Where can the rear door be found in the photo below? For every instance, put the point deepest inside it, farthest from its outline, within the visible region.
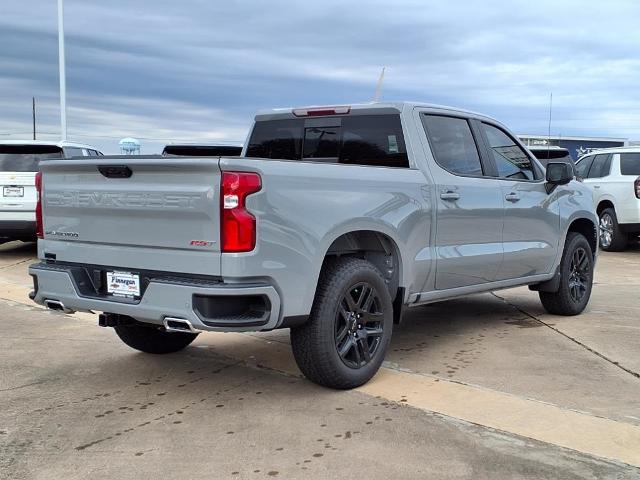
(469, 205)
(18, 167)
(599, 170)
(531, 216)
(145, 213)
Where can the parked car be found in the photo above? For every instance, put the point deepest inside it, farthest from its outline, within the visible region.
(202, 150)
(333, 222)
(614, 175)
(550, 153)
(19, 160)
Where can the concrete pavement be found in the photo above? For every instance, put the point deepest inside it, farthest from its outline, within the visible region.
(489, 376)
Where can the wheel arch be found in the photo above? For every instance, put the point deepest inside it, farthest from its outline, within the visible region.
(587, 228)
(378, 247)
(603, 204)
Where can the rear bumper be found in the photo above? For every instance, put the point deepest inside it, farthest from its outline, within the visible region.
(17, 228)
(207, 306)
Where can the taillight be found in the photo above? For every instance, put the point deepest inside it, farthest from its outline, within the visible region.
(39, 226)
(636, 187)
(238, 226)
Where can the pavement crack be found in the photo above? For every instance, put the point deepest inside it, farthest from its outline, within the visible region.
(569, 337)
(16, 264)
(21, 386)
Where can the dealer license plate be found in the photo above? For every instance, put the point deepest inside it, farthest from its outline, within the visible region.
(13, 191)
(123, 284)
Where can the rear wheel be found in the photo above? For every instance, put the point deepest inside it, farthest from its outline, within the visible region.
(612, 238)
(344, 342)
(152, 339)
(576, 278)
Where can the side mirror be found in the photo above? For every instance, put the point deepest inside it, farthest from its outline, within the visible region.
(558, 173)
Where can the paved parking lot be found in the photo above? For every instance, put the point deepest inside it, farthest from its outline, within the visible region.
(483, 387)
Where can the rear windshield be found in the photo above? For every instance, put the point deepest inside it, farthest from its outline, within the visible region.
(375, 140)
(552, 154)
(630, 163)
(25, 158)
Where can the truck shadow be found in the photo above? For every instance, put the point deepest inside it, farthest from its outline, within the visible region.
(18, 249)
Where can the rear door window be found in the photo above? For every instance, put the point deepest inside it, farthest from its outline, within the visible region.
(601, 166)
(630, 164)
(374, 140)
(73, 152)
(26, 158)
(511, 160)
(453, 145)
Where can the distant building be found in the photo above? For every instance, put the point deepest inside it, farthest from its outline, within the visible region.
(577, 146)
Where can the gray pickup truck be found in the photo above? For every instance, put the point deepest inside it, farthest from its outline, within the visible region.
(332, 221)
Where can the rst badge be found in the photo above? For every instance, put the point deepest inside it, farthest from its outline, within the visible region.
(201, 243)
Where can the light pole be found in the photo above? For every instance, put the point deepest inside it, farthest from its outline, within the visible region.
(61, 65)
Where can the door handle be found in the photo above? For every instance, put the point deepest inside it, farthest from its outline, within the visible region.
(449, 196)
(596, 186)
(512, 197)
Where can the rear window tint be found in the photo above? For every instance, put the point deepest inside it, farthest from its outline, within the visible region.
(453, 145)
(555, 155)
(374, 140)
(601, 166)
(26, 158)
(630, 163)
(73, 152)
(202, 150)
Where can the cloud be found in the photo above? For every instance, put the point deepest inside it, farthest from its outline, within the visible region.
(199, 70)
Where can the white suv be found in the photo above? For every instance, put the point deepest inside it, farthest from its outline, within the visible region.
(614, 175)
(19, 161)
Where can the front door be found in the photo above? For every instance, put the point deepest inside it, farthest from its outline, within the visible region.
(469, 212)
(531, 215)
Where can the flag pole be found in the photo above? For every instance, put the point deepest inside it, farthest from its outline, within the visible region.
(63, 80)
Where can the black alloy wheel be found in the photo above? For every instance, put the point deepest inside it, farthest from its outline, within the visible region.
(344, 340)
(579, 274)
(575, 278)
(359, 325)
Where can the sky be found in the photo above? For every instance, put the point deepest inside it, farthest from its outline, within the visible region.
(197, 70)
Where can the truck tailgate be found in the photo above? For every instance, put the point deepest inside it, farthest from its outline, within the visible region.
(158, 214)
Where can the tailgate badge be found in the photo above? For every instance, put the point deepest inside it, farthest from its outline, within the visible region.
(55, 233)
(201, 243)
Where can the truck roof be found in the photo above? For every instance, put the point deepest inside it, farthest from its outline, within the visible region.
(60, 144)
(399, 106)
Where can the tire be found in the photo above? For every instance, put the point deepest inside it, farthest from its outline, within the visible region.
(151, 339)
(612, 238)
(575, 282)
(344, 316)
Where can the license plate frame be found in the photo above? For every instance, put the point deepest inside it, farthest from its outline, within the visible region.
(123, 284)
(13, 191)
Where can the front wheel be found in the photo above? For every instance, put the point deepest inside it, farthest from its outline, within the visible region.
(344, 342)
(576, 278)
(152, 339)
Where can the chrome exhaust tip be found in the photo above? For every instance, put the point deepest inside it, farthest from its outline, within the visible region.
(57, 306)
(180, 325)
